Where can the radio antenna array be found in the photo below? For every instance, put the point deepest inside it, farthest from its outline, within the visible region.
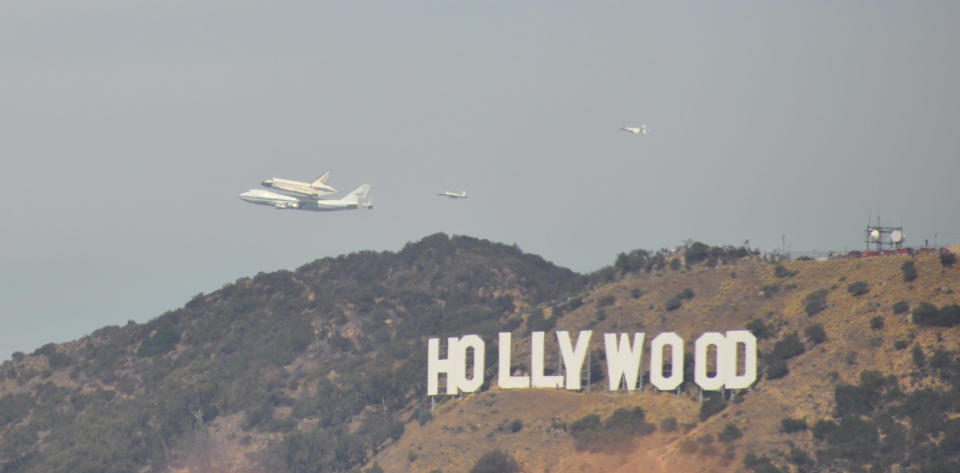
(883, 237)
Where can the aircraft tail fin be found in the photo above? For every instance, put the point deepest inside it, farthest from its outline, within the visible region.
(321, 181)
(358, 195)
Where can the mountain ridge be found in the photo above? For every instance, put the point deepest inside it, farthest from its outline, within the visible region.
(323, 368)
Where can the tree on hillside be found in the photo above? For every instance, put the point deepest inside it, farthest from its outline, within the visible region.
(909, 271)
(496, 461)
(815, 302)
(947, 258)
(696, 253)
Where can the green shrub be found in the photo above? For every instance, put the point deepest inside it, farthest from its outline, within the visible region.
(422, 416)
(901, 307)
(537, 323)
(606, 300)
(759, 329)
(799, 457)
(851, 358)
(669, 424)
(769, 290)
(622, 426)
(672, 304)
(686, 294)
(822, 428)
(781, 272)
(947, 258)
(858, 288)
(900, 344)
(909, 271)
(776, 368)
(59, 360)
(855, 437)
(876, 323)
(729, 434)
(788, 347)
(586, 423)
(815, 302)
(45, 350)
(696, 253)
(164, 339)
(927, 314)
(815, 334)
(516, 426)
(940, 360)
(760, 464)
(712, 404)
(496, 461)
(15, 407)
(789, 426)
(636, 293)
(919, 359)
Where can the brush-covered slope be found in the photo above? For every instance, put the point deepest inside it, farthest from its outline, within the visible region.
(287, 371)
(849, 381)
(323, 369)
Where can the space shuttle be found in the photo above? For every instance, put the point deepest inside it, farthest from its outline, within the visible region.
(316, 189)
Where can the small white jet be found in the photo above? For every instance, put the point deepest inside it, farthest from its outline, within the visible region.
(354, 200)
(317, 189)
(636, 131)
(453, 195)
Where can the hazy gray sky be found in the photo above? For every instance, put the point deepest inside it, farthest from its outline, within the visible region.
(129, 129)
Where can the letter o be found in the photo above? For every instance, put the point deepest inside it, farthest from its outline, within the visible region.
(656, 361)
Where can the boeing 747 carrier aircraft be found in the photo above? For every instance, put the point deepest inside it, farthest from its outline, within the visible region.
(354, 200)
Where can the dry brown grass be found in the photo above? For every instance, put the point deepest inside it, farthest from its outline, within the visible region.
(726, 298)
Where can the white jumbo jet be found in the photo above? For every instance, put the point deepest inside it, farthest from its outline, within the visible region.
(354, 200)
(317, 189)
(453, 195)
(642, 130)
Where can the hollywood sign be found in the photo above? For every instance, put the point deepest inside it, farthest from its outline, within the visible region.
(623, 362)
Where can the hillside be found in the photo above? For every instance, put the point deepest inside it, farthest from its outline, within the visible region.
(891, 431)
(323, 369)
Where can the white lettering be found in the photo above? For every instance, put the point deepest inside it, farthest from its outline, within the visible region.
(676, 361)
(504, 379)
(435, 365)
(623, 360)
(700, 361)
(573, 357)
(749, 376)
(475, 343)
(540, 380)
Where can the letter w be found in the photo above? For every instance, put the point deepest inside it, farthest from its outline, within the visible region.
(623, 360)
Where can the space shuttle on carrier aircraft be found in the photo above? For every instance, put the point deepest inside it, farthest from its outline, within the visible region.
(317, 189)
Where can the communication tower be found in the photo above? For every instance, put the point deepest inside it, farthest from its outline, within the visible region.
(884, 237)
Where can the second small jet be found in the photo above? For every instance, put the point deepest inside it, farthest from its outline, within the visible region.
(453, 195)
